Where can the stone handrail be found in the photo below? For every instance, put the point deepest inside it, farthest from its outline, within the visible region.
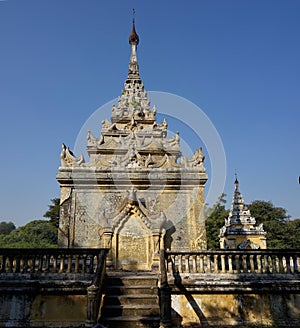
(234, 262)
(50, 260)
(165, 293)
(162, 268)
(94, 291)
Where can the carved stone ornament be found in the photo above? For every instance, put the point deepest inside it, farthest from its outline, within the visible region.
(68, 158)
(131, 205)
(65, 194)
(197, 160)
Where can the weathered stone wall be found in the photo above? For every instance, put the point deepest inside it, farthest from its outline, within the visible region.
(235, 287)
(134, 214)
(38, 310)
(26, 302)
(219, 310)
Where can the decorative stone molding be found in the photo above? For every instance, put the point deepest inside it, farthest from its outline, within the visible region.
(68, 158)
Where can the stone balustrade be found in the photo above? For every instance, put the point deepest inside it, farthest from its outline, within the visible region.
(57, 280)
(50, 260)
(234, 262)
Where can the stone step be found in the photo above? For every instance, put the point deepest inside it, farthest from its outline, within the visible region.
(130, 310)
(131, 299)
(123, 273)
(130, 290)
(131, 322)
(131, 280)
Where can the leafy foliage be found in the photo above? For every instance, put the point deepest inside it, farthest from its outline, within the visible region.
(266, 212)
(35, 234)
(275, 221)
(6, 227)
(292, 239)
(215, 219)
(53, 212)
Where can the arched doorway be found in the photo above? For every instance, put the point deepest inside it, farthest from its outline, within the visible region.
(132, 244)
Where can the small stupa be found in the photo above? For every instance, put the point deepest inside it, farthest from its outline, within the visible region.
(239, 230)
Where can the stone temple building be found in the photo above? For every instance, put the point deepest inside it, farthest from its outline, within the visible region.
(239, 230)
(133, 245)
(137, 193)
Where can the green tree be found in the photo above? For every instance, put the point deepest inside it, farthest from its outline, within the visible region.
(292, 239)
(6, 227)
(215, 219)
(275, 221)
(35, 234)
(53, 212)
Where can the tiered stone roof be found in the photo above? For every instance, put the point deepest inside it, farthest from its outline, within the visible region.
(133, 138)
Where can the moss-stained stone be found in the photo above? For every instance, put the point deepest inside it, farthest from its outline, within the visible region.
(58, 310)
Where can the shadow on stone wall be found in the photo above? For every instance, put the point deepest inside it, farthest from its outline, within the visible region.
(193, 303)
(273, 309)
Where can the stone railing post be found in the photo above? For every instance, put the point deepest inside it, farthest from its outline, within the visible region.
(295, 264)
(156, 235)
(230, 269)
(92, 305)
(223, 264)
(106, 236)
(94, 291)
(165, 294)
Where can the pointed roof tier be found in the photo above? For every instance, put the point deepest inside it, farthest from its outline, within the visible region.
(239, 212)
(239, 221)
(133, 138)
(133, 130)
(133, 104)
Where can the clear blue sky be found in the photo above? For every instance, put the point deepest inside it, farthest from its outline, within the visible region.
(237, 60)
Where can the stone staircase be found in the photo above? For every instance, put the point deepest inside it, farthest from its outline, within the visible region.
(131, 300)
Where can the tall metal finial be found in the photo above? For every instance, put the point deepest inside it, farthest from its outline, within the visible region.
(133, 37)
(236, 179)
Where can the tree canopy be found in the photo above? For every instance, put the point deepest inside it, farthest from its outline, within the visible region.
(6, 227)
(215, 218)
(275, 221)
(53, 212)
(35, 234)
(293, 234)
